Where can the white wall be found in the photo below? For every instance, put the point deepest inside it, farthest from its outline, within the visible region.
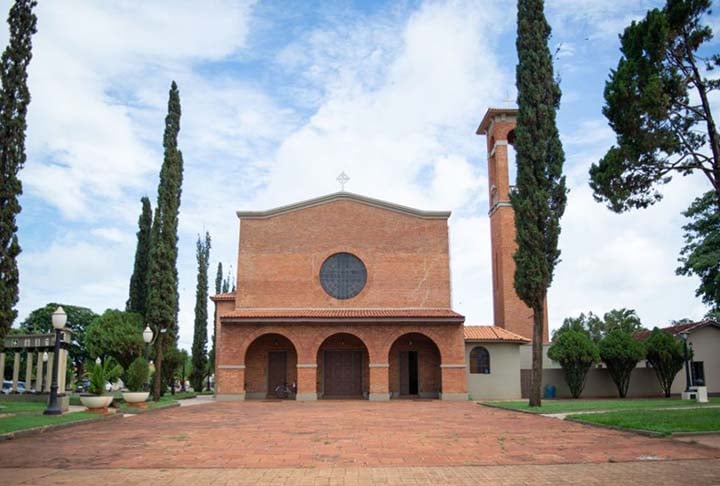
(503, 382)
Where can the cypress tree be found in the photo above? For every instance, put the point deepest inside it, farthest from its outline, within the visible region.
(218, 278)
(14, 101)
(540, 198)
(211, 354)
(199, 346)
(162, 307)
(139, 280)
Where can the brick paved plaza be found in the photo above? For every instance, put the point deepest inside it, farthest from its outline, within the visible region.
(348, 441)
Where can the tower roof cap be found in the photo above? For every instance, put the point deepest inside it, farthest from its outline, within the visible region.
(490, 116)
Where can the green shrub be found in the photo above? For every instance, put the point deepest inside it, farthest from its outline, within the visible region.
(620, 352)
(137, 375)
(667, 357)
(576, 352)
(101, 373)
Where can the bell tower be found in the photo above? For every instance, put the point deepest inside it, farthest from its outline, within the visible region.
(509, 311)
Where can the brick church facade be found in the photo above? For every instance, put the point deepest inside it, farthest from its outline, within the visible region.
(348, 296)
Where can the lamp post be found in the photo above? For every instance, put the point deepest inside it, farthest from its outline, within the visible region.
(148, 338)
(684, 336)
(59, 318)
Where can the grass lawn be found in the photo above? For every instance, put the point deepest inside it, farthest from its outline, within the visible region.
(569, 405)
(27, 415)
(662, 421)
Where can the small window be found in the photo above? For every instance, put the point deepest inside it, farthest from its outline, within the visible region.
(698, 373)
(480, 361)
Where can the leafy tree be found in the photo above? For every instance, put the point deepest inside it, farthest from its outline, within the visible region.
(199, 347)
(666, 355)
(540, 196)
(139, 279)
(137, 375)
(14, 101)
(661, 129)
(701, 253)
(597, 328)
(162, 307)
(174, 359)
(116, 334)
(78, 319)
(620, 352)
(576, 353)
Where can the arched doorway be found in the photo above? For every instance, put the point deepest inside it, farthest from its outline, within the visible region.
(270, 367)
(414, 371)
(342, 370)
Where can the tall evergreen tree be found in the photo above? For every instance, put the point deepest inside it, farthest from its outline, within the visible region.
(211, 354)
(14, 101)
(540, 198)
(139, 280)
(162, 307)
(199, 347)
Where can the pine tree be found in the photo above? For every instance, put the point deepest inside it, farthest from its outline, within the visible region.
(162, 307)
(139, 279)
(199, 347)
(14, 101)
(540, 198)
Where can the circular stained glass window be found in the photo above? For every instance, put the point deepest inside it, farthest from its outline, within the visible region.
(343, 275)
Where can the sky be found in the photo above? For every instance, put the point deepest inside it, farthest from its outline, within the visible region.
(278, 98)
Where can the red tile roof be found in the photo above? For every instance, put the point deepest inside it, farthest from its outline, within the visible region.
(679, 328)
(344, 313)
(492, 333)
(219, 297)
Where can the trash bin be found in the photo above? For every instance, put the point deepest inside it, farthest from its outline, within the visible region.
(549, 391)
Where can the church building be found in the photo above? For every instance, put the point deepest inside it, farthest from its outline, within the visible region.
(348, 296)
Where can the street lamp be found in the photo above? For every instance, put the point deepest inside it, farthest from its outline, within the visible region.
(147, 337)
(684, 336)
(59, 318)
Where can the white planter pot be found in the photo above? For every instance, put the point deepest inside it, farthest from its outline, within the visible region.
(135, 397)
(94, 402)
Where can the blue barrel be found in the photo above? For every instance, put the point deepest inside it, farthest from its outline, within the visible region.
(549, 391)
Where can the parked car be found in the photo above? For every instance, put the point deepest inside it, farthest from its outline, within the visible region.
(82, 385)
(7, 387)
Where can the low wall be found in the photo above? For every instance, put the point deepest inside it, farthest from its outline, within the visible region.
(598, 384)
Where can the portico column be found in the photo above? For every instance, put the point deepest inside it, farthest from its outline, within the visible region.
(62, 371)
(28, 370)
(39, 374)
(2, 365)
(454, 381)
(16, 372)
(48, 372)
(379, 387)
(307, 381)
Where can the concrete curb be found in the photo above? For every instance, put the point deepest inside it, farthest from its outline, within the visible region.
(47, 428)
(141, 411)
(693, 434)
(489, 405)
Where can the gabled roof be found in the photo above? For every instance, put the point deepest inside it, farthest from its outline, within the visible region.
(680, 328)
(345, 314)
(344, 196)
(492, 334)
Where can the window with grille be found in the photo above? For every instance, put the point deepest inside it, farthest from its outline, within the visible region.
(480, 361)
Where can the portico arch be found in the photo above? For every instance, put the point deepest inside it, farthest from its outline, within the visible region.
(342, 367)
(270, 367)
(414, 369)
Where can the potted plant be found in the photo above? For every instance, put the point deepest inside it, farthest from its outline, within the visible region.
(99, 374)
(137, 377)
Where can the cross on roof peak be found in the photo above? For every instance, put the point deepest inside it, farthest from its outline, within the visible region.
(342, 179)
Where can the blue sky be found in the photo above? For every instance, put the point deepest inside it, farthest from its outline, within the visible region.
(278, 98)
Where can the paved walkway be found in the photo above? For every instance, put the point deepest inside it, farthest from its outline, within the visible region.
(628, 473)
(271, 434)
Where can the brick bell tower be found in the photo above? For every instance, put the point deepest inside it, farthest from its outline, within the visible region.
(509, 311)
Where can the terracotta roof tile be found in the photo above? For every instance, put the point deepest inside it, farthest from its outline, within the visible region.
(344, 313)
(492, 333)
(226, 296)
(679, 328)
